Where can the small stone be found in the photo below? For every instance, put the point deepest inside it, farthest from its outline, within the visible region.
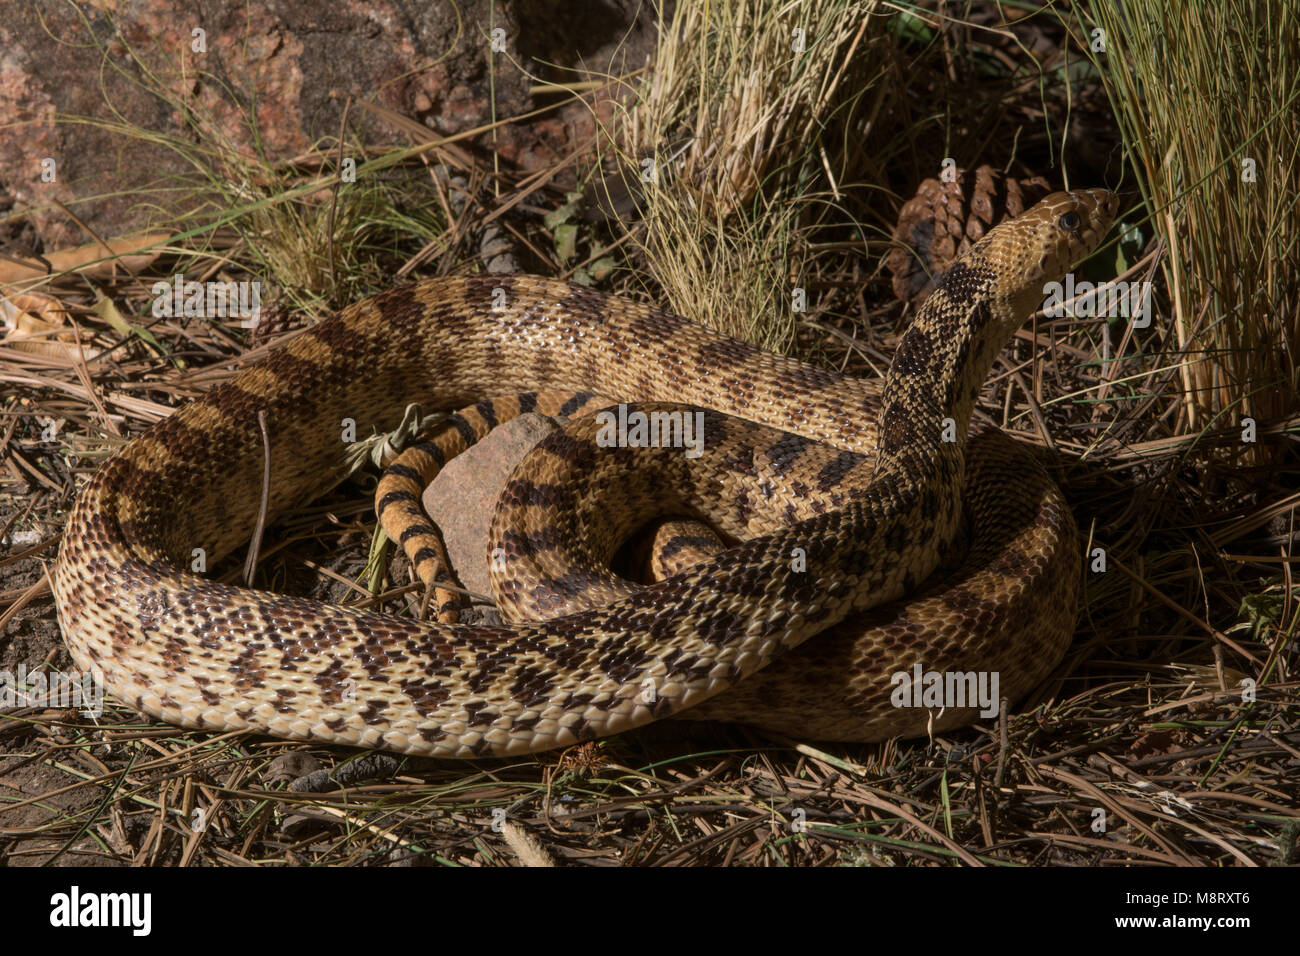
(460, 500)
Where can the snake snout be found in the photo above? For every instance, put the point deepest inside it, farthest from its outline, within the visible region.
(1039, 247)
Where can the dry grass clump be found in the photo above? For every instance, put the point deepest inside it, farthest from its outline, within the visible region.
(726, 145)
(1209, 121)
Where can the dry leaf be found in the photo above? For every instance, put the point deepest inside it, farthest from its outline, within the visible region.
(36, 323)
(92, 259)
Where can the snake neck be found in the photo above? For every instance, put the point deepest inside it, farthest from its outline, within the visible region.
(929, 395)
(938, 369)
(943, 360)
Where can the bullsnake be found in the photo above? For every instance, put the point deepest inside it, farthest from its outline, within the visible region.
(884, 506)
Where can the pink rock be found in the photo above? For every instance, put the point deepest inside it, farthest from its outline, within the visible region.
(461, 498)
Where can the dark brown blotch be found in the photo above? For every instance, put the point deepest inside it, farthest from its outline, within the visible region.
(914, 354)
(896, 430)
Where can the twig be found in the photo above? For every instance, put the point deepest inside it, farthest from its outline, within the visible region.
(255, 545)
(1003, 745)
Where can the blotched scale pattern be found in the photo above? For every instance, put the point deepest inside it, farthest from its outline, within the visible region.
(198, 653)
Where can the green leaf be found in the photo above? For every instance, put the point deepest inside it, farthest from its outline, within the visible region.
(1129, 248)
(105, 308)
(558, 217)
(566, 240)
(602, 267)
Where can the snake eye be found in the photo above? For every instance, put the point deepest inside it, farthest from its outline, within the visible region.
(1069, 222)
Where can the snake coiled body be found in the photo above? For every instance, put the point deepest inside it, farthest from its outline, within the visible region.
(195, 652)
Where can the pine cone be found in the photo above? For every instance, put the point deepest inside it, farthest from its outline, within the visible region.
(943, 220)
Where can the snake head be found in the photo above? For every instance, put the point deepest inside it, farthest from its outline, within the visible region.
(1042, 244)
(1060, 231)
